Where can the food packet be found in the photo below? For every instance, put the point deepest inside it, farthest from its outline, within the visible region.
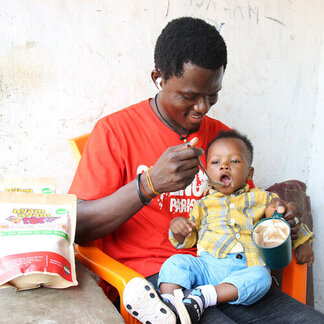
(29, 185)
(36, 240)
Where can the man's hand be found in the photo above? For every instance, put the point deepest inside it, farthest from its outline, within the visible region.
(176, 168)
(181, 227)
(304, 253)
(291, 213)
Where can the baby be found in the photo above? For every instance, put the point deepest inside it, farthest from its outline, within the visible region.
(228, 267)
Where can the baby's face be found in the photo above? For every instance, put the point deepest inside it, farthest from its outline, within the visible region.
(228, 161)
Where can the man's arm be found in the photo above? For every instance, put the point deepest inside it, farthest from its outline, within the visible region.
(174, 170)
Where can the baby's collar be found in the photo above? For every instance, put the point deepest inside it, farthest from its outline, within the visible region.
(216, 193)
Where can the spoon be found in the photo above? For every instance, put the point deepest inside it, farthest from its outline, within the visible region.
(210, 180)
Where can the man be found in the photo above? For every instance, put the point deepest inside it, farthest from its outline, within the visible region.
(128, 204)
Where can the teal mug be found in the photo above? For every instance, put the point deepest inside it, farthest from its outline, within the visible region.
(272, 236)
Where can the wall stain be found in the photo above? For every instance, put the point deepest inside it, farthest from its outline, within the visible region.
(21, 72)
(30, 44)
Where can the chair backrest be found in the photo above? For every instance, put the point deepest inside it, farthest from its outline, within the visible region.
(77, 145)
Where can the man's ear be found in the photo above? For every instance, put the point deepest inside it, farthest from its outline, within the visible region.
(251, 173)
(157, 78)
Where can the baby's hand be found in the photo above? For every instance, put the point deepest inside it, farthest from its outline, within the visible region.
(181, 227)
(304, 254)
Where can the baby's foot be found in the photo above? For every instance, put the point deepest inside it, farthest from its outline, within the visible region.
(143, 302)
(190, 305)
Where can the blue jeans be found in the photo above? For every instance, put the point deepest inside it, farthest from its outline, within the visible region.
(189, 272)
(275, 307)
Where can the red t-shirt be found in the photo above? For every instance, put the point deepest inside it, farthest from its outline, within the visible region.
(120, 146)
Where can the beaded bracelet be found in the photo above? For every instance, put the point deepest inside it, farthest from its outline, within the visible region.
(139, 190)
(149, 181)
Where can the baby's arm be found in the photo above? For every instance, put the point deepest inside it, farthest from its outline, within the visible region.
(304, 253)
(181, 227)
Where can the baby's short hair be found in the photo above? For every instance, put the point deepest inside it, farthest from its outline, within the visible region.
(233, 134)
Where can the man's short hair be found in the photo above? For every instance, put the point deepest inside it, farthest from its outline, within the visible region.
(188, 40)
(233, 134)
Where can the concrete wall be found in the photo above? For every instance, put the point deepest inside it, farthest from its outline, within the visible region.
(65, 64)
(315, 182)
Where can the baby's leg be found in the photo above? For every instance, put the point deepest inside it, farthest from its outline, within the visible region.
(252, 284)
(230, 278)
(168, 288)
(167, 281)
(181, 271)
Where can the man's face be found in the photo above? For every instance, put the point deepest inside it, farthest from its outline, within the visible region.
(229, 162)
(186, 100)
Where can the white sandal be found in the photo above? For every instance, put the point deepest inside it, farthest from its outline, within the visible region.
(143, 302)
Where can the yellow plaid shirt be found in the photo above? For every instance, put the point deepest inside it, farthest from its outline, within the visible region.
(224, 220)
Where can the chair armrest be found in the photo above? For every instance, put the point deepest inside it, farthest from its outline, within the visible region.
(294, 280)
(109, 270)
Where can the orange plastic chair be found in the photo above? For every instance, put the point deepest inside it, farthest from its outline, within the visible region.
(77, 145)
(90, 255)
(293, 282)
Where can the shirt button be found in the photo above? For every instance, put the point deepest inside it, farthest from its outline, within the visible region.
(232, 220)
(232, 205)
(237, 235)
(232, 195)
